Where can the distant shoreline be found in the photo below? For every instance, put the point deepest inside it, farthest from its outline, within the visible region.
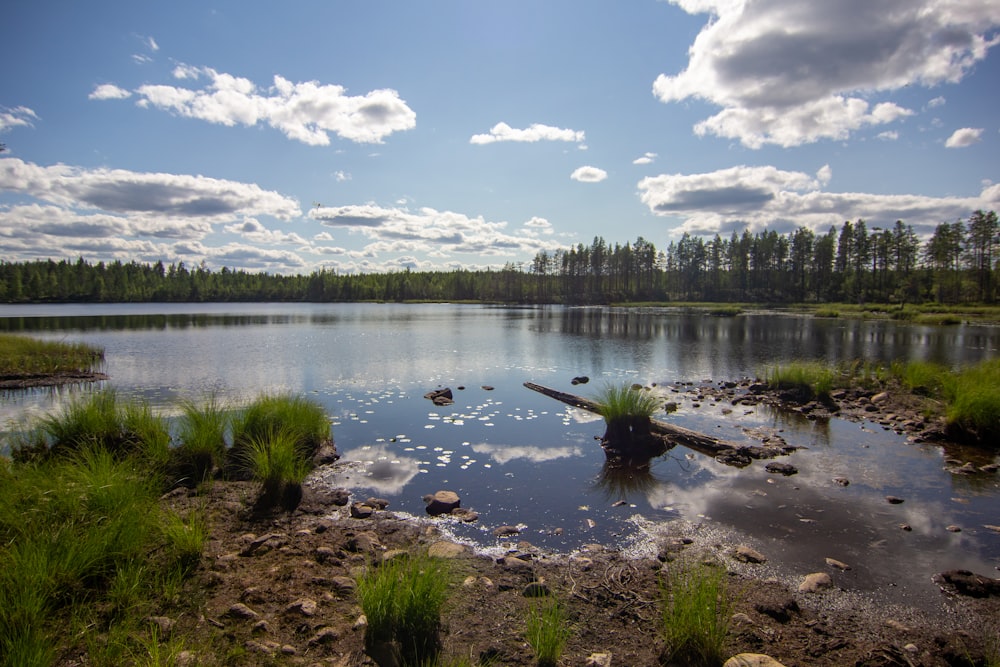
(34, 380)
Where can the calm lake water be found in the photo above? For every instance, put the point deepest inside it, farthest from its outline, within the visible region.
(519, 458)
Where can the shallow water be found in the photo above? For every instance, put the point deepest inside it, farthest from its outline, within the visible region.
(519, 458)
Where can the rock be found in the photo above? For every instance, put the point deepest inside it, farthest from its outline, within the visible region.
(241, 611)
(670, 406)
(365, 542)
(598, 660)
(487, 387)
(325, 635)
(964, 582)
(779, 610)
(893, 500)
(261, 627)
(833, 562)
(506, 531)
(746, 554)
(186, 659)
(815, 582)
(256, 546)
(466, 515)
(377, 503)
(440, 397)
(739, 618)
(881, 397)
(343, 585)
(302, 606)
(163, 624)
(580, 379)
(361, 511)
(752, 660)
(905, 526)
(326, 454)
(446, 549)
(442, 502)
(953, 529)
(783, 468)
(841, 481)
(536, 589)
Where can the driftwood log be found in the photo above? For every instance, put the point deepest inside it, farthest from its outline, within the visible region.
(725, 451)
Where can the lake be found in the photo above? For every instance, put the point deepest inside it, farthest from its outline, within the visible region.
(520, 458)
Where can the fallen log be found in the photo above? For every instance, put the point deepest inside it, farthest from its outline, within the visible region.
(724, 451)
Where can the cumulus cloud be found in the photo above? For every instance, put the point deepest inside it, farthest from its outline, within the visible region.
(645, 159)
(122, 191)
(765, 197)
(252, 230)
(438, 233)
(108, 91)
(536, 132)
(308, 111)
(789, 72)
(587, 174)
(963, 137)
(16, 117)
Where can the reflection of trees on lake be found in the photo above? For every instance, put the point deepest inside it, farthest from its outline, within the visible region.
(620, 480)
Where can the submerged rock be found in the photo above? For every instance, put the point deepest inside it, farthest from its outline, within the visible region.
(441, 397)
(442, 502)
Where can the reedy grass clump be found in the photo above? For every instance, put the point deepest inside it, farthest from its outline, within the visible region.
(303, 419)
(973, 397)
(24, 356)
(202, 430)
(547, 631)
(624, 401)
(695, 611)
(276, 461)
(812, 379)
(402, 600)
(98, 421)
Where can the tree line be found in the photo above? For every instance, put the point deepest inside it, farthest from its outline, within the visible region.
(958, 263)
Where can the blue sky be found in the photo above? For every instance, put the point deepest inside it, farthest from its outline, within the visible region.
(381, 134)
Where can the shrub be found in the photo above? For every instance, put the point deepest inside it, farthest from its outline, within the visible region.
(695, 614)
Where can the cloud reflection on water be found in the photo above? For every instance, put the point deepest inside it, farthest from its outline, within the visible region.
(507, 453)
(378, 468)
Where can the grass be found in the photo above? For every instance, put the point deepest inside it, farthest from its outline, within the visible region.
(973, 403)
(695, 613)
(22, 356)
(275, 460)
(301, 418)
(202, 432)
(624, 402)
(402, 600)
(811, 379)
(98, 421)
(547, 632)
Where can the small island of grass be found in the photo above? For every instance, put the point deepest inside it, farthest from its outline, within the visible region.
(29, 362)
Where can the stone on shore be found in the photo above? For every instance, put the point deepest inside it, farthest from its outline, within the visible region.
(815, 582)
(442, 502)
(752, 660)
(746, 554)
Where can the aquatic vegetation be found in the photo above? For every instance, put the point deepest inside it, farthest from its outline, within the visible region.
(973, 403)
(25, 356)
(810, 379)
(695, 611)
(547, 631)
(303, 419)
(202, 432)
(625, 402)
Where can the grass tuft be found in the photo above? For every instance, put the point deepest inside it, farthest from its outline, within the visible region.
(810, 379)
(23, 356)
(624, 402)
(695, 613)
(275, 460)
(547, 632)
(202, 433)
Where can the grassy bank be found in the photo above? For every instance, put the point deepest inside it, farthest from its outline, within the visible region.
(22, 356)
(970, 395)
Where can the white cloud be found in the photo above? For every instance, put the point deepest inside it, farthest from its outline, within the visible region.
(790, 72)
(645, 159)
(306, 112)
(936, 102)
(440, 233)
(252, 230)
(888, 135)
(536, 132)
(588, 174)
(341, 176)
(108, 91)
(538, 226)
(963, 137)
(765, 197)
(151, 43)
(122, 191)
(16, 117)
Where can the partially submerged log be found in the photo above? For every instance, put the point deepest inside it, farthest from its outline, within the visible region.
(724, 451)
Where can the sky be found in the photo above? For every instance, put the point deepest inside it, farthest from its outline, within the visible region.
(380, 135)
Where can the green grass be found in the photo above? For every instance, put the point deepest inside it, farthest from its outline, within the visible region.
(624, 402)
(301, 418)
(24, 356)
(695, 612)
(973, 403)
(185, 537)
(402, 600)
(102, 421)
(202, 432)
(547, 631)
(812, 379)
(275, 460)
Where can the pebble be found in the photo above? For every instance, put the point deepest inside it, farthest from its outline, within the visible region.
(893, 500)
(752, 660)
(833, 562)
(815, 582)
(953, 529)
